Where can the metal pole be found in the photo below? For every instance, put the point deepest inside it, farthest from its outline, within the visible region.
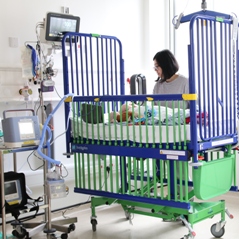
(204, 5)
(15, 162)
(47, 214)
(4, 235)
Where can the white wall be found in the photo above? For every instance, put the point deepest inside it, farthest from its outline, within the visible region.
(117, 18)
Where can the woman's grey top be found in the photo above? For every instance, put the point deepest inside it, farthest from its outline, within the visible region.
(179, 85)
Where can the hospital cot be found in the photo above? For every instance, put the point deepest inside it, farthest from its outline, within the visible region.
(161, 158)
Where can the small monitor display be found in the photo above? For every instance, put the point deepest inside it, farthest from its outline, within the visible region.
(58, 24)
(11, 190)
(26, 130)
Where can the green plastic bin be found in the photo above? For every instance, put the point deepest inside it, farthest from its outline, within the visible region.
(213, 178)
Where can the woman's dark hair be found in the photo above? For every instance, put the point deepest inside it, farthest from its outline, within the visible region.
(166, 60)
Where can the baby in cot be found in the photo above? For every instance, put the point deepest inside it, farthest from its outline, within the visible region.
(138, 114)
(126, 114)
(133, 113)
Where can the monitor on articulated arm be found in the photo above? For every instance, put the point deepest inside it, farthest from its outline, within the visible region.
(56, 25)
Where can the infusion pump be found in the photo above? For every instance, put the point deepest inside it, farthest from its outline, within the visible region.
(20, 131)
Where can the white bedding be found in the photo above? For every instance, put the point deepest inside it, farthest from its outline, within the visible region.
(134, 133)
(160, 133)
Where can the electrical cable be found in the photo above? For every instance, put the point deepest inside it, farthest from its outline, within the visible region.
(57, 92)
(67, 125)
(67, 173)
(185, 6)
(30, 164)
(37, 102)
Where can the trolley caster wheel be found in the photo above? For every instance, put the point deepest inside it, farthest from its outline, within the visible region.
(71, 228)
(20, 233)
(64, 236)
(189, 236)
(94, 223)
(217, 234)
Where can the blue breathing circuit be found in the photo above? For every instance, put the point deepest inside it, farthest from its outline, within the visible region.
(47, 129)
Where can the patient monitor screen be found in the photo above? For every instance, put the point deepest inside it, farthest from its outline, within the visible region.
(26, 130)
(58, 24)
(11, 191)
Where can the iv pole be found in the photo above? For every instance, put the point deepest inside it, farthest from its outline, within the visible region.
(47, 214)
(57, 225)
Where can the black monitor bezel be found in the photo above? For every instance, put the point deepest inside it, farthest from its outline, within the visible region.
(62, 16)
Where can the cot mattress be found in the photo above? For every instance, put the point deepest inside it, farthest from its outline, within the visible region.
(130, 132)
(150, 133)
